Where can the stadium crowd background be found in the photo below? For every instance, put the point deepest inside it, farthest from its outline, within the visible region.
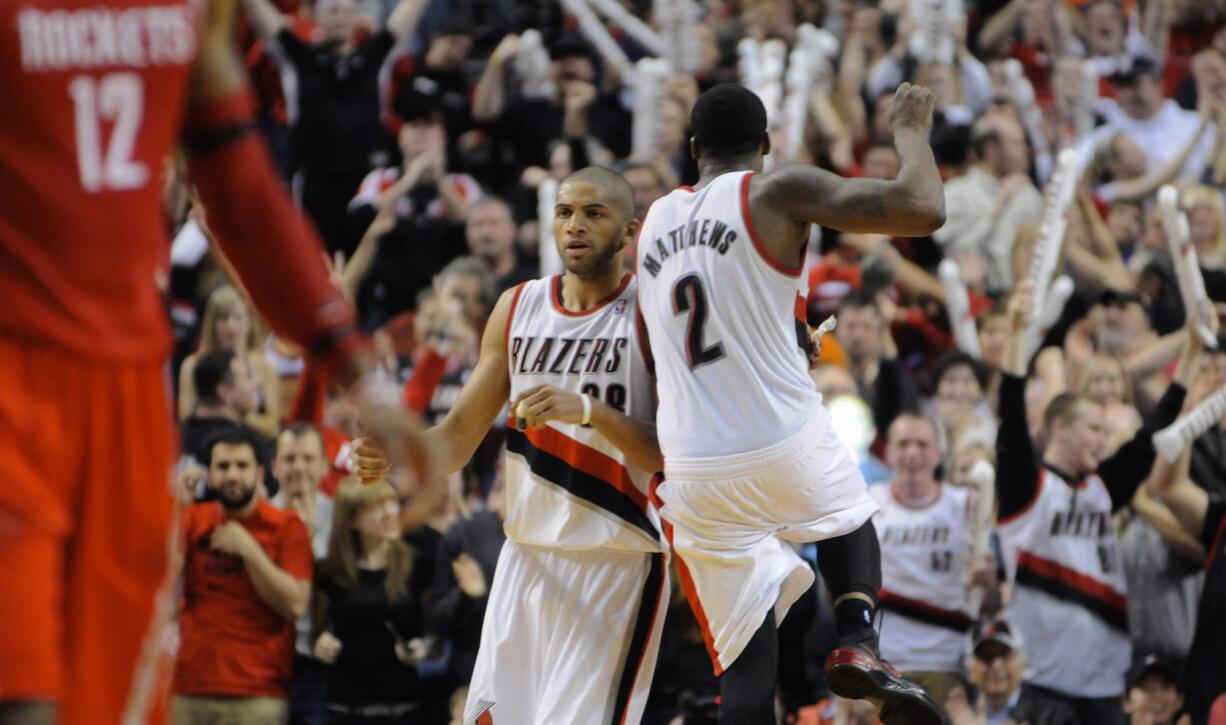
(417, 136)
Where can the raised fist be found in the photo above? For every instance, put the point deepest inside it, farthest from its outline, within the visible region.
(912, 109)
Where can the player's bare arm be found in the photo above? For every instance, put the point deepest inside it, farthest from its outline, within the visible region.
(911, 205)
(453, 441)
(637, 439)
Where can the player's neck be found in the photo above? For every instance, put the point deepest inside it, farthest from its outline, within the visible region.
(709, 170)
(584, 293)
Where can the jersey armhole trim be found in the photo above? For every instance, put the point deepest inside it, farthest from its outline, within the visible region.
(1038, 489)
(757, 241)
(506, 337)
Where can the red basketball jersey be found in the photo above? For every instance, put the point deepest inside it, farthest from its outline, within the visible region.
(95, 93)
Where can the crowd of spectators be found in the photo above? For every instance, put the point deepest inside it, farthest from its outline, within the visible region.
(418, 136)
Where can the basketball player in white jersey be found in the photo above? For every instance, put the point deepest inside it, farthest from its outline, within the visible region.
(575, 611)
(925, 536)
(751, 464)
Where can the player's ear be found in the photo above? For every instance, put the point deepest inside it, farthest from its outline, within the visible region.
(694, 148)
(630, 232)
(766, 144)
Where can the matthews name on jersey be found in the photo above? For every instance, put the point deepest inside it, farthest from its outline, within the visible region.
(924, 557)
(567, 485)
(726, 323)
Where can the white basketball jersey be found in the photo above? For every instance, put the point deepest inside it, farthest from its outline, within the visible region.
(924, 557)
(726, 324)
(567, 486)
(1063, 557)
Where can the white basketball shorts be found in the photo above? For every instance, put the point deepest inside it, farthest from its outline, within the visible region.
(730, 519)
(569, 637)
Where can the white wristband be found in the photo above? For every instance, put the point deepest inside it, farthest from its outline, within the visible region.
(587, 409)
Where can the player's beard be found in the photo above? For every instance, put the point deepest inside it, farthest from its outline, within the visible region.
(235, 503)
(597, 263)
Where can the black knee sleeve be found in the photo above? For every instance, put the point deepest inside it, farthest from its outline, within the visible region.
(852, 562)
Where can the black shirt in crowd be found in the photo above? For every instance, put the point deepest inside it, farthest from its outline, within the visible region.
(1204, 677)
(367, 623)
(1017, 466)
(334, 101)
(449, 611)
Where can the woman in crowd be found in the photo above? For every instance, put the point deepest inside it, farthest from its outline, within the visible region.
(228, 325)
(368, 611)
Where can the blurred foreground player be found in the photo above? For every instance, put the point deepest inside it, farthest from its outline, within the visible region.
(751, 461)
(100, 96)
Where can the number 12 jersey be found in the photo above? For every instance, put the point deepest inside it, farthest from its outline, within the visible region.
(726, 324)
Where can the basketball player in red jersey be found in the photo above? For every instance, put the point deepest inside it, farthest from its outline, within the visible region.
(99, 94)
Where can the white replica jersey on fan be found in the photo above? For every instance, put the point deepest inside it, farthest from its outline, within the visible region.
(725, 323)
(1069, 597)
(567, 486)
(924, 556)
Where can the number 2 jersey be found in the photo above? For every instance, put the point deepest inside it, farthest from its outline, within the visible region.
(726, 324)
(97, 94)
(567, 486)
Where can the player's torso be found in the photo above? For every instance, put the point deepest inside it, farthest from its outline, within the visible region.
(1063, 557)
(97, 93)
(924, 558)
(568, 486)
(726, 329)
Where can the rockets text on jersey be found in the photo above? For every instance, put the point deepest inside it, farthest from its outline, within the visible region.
(99, 92)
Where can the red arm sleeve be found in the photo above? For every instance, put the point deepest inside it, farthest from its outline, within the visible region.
(275, 251)
(309, 401)
(427, 374)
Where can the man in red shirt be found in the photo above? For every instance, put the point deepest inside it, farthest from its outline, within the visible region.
(246, 578)
(101, 94)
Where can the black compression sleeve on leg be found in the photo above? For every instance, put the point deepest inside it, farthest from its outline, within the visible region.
(747, 687)
(852, 562)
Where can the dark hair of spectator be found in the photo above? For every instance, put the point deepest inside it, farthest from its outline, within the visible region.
(728, 120)
(1063, 408)
(455, 27)
(998, 308)
(212, 370)
(951, 144)
(857, 300)
(988, 134)
(300, 429)
(474, 266)
(237, 435)
(956, 358)
(345, 544)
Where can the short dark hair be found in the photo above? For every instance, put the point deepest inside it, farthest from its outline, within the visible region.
(299, 429)
(728, 120)
(212, 370)
(956, 358)
(1063, 408)
(235, 435)
(859, 299)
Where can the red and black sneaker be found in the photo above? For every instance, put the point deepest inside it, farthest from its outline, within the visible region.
(857, 672)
